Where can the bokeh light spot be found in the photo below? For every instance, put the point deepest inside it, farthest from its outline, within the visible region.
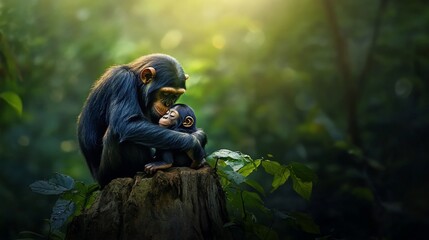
(24, 140)
(83, 14)
(403, 87)
(171, 39)
(218, 41)
(68, 146)
(255, 37)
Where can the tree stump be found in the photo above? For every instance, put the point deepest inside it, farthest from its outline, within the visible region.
(178, 203)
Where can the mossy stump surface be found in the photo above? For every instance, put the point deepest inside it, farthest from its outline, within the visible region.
(178, 203)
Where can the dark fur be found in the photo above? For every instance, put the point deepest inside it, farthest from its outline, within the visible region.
(177, 157)
(116, 127)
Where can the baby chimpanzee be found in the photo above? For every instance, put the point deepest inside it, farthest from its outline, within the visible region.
(180, 117)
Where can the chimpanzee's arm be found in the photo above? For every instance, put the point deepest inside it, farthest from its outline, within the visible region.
(201, 136)
(147, 134)
(166, 161)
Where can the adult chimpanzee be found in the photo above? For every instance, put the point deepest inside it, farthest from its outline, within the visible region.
(179, 117)
(116, 127)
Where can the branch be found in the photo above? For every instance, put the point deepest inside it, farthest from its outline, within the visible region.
(339, 43)
(375, 33)
(344, 69)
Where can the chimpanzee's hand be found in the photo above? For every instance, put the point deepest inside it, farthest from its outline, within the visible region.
(196, 153)
(198, 164)
(154, 166)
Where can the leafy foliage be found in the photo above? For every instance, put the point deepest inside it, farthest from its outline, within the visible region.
(55, 186)
(235, 170)
(13, 100)
(74, 197)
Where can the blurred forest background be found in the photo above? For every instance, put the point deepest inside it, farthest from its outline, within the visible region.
(341, 86)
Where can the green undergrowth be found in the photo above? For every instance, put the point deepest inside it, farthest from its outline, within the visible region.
(245, 196)
(73, 198)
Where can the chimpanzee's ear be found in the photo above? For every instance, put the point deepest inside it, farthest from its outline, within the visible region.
(147, 75)
(186, 77)
(188, 122)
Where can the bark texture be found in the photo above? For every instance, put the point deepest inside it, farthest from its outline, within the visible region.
(179, 203)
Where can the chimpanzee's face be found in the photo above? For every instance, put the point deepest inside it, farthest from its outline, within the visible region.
(178, 117)
(170, 118)
(164, 99)
(173, 86)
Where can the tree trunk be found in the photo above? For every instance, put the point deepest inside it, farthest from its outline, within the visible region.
(178, 203)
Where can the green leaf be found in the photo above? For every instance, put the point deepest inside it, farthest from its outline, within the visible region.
(303, 172)
(281, 173)
(234, 159)
(271, 167)
(30, 235)
(305, 222)
(280, 179)
(235, 204)
(235, 165)
(13, 100)
(82, 196)
(91, 200)
(247, 169)
(253, 200)
(57, 185)
(256, 186)
(231, 175)
(226, 154)
(302, 188)
(93, 187)
(61, 211)
(77, 196)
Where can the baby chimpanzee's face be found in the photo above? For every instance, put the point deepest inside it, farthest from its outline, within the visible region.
(170, 118)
